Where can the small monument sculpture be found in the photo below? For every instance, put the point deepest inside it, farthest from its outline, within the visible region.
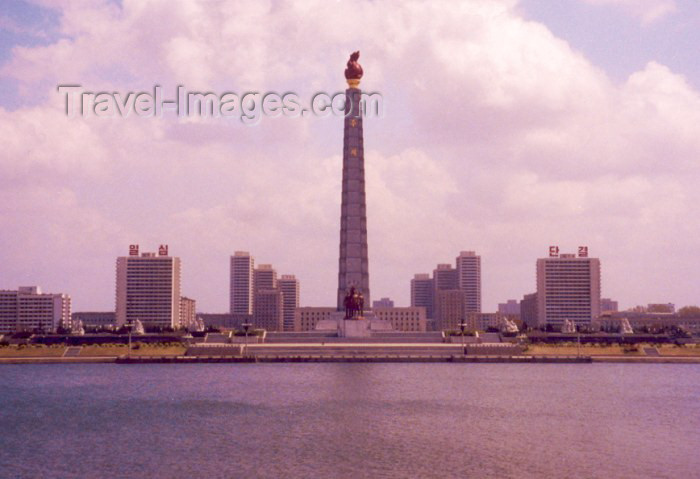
(568, 327)
(508, 325)
(354, 304)
(138, 327)
(199, 325)
(625, 327)
(77, 328)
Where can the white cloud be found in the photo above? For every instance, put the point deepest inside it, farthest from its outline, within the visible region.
(648, 11)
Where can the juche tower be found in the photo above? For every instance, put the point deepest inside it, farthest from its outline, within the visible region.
(353, 267)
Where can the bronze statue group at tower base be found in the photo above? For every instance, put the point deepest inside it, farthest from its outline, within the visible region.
(354, 304)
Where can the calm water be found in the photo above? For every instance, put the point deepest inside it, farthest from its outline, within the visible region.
(349, 420)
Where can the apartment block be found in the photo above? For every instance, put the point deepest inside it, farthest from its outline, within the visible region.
(28, 309)
(568, 287)
(148, 289)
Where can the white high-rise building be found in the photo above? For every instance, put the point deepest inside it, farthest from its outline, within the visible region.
(241, 283)
(148, 289)
(28, 309)
(469, 280)
(289, 286)
(568, 287)
(264, 277)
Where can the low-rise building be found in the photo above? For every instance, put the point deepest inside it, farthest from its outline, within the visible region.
(306, 318)
(608, 305)
(28, 309)
(411, 318)
(225, 320)
(661, 308)
(188, 314)
(484, 321)
(96, 319)
(649, 321)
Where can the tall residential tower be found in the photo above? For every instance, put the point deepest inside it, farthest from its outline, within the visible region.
(148, 288)
(241, 283)
(568, 287)
(469, 280)
(289, 285)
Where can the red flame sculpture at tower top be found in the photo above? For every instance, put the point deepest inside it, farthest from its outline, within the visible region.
(354, 70)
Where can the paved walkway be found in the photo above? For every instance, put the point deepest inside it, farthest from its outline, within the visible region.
(72, 352)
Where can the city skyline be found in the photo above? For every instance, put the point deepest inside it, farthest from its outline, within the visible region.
(581, 141)
(367, 238)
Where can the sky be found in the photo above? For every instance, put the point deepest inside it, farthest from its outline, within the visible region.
(508, 126)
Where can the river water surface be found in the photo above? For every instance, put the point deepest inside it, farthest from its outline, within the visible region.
(349, 420)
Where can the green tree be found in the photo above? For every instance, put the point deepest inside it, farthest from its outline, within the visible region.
(689, 311)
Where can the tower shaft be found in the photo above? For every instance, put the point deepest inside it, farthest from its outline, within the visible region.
(353, 267)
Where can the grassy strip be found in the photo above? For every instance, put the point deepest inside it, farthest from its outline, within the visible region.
(31, 351)
(585, 350)
(37, 351)
(588, 350)
(667, 350)
(118, 350)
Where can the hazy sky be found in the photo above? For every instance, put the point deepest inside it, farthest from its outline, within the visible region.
(509, 126)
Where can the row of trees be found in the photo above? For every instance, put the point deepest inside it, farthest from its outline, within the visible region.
(685, 311)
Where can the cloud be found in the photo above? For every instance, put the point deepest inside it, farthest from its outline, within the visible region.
(648, 11)
(45, 141)
(498, 137)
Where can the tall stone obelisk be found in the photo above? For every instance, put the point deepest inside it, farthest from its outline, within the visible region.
(353, 266)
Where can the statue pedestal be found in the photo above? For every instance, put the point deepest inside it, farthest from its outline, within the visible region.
(354, 328)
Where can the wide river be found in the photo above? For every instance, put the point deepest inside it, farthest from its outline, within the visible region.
(349, 421)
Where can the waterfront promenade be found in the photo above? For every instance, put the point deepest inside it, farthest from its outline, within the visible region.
(334, 352)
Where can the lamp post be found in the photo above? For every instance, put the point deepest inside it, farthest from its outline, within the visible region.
(463, 326)
(246, 327)
(578, 343)
(129, 326)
